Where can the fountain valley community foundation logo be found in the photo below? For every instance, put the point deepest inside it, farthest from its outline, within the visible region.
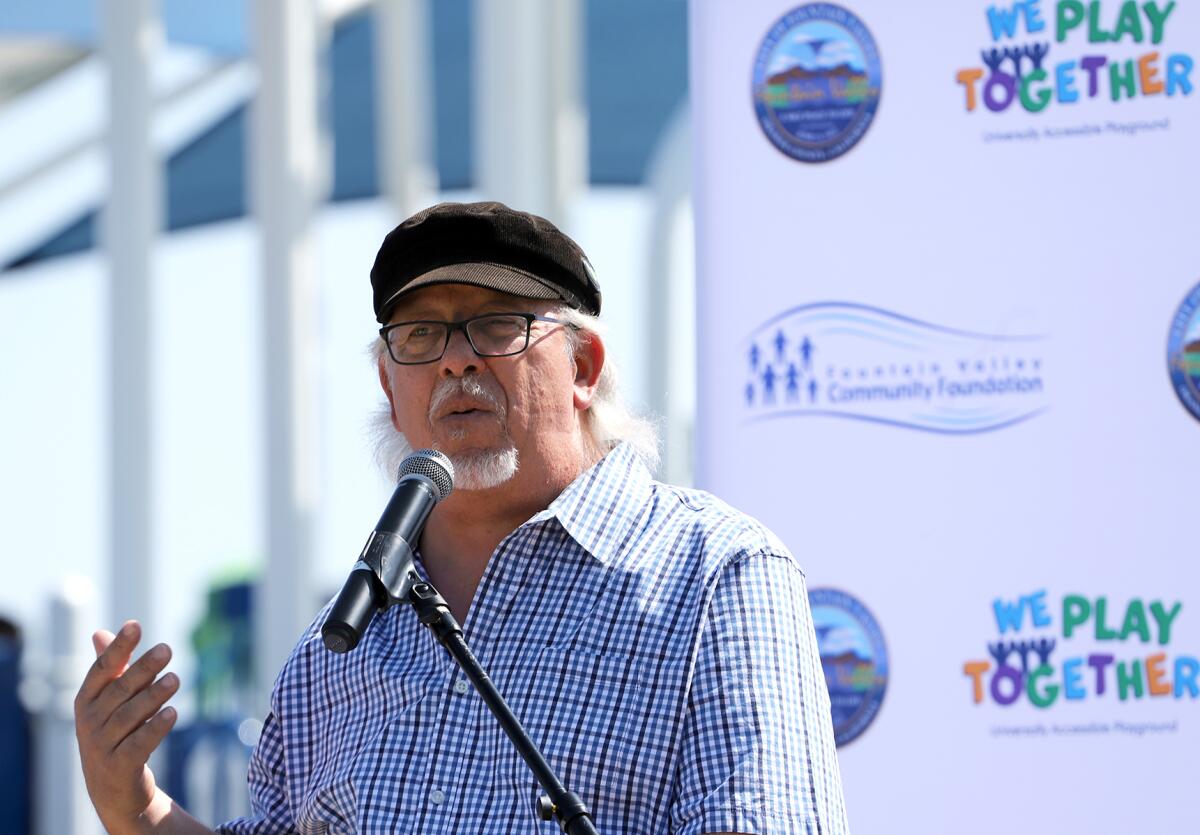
(853, 361)
(816, 82)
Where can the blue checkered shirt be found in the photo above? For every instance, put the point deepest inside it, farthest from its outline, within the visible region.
(656, 644)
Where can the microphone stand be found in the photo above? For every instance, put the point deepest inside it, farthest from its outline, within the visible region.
(573, 816)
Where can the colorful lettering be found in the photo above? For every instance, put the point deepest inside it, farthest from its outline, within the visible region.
(1091, 65)
(1095, 33)
(1041, 98)
(1007, 83)
(1012, 669)
(1129, 678)
(1148, 74)
(1064, 82)
(1033, 17)
(967, 79)
(1135, 621)
(976, 669)
(1157, 19)
(1179, 68)
(1186, 670)
(1037, 87)
(1010, 614)
(1098, 662)
(1129, 22)
(1164, 619)
(1076, 611)
(1003, 21)
(1045, 698)
(1013, 677)
(1037, 600)
(1156, 675)
(1103, 633)
(1072, 678)
(1068, 16)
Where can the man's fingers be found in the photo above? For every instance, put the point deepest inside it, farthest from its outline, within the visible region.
(132, 714)
(101, 638)
(133, 681)
(139, 745)
(111, 660)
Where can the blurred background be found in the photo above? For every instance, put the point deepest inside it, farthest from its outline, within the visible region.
(191, 196)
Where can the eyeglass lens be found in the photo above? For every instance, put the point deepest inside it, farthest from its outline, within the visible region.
(490, 336)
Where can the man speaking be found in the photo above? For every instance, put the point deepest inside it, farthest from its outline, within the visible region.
(656, 644)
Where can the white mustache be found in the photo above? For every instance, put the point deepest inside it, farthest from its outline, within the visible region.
(469, 386)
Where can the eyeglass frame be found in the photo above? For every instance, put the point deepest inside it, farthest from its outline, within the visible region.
(461, 325)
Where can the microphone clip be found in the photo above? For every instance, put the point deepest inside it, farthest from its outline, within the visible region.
(389, 557)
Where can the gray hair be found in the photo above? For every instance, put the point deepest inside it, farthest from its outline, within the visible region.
(608, 421)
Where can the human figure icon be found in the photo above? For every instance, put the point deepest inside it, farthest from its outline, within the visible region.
(754, 354)
(812, 391)
(749, 394)
(780, 345)
(806, 352)
(768, 378)
(793, 382)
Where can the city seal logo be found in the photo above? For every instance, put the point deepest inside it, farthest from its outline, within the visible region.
(1183, 352)
(854, 659)
(816, 82)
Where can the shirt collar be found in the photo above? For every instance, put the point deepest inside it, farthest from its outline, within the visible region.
(600, 507)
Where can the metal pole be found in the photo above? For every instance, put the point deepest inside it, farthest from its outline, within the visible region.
(671, 301)
(285, 165)
(531, 124)
(61, 804)
(131, 220)
(403, 77)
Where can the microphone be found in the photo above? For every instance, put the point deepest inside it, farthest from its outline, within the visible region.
(384, 572)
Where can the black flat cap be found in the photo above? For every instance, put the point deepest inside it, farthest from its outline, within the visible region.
(486, 244)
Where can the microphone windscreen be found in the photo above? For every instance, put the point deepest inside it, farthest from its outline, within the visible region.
(432, 464)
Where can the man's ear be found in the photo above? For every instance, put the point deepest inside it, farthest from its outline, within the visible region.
(386, 383)
(589, 362)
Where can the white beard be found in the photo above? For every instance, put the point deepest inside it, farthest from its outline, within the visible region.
(484, 470)
(472, 471)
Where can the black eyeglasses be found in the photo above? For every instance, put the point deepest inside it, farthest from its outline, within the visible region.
(490, 335)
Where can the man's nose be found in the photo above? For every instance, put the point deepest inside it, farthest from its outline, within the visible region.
(459, 357)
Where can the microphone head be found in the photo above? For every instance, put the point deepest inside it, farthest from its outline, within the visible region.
(434, 466)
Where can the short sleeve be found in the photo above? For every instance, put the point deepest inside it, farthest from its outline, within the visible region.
(757, 753)
(267, 781)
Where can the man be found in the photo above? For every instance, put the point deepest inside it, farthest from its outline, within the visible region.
(656, 644)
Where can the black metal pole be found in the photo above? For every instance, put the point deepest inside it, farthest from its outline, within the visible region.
(566, 806)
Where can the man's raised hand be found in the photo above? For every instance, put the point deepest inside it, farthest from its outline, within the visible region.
(118, 723)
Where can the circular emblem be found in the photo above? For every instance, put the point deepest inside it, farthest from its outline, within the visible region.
(816, 82)
(854, 659)
(1183, 352)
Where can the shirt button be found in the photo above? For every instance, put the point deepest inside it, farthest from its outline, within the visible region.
(437, 797)
(461, 687)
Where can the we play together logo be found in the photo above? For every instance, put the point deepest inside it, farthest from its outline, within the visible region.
(1082, 648)
(1071, 51)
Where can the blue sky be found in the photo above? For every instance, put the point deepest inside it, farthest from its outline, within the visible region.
(219, 25)
(845, 635)
(816, 45)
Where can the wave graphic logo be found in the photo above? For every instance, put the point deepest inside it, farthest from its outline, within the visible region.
(847, 360)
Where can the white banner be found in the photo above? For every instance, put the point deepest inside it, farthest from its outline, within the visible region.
(949, 350)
